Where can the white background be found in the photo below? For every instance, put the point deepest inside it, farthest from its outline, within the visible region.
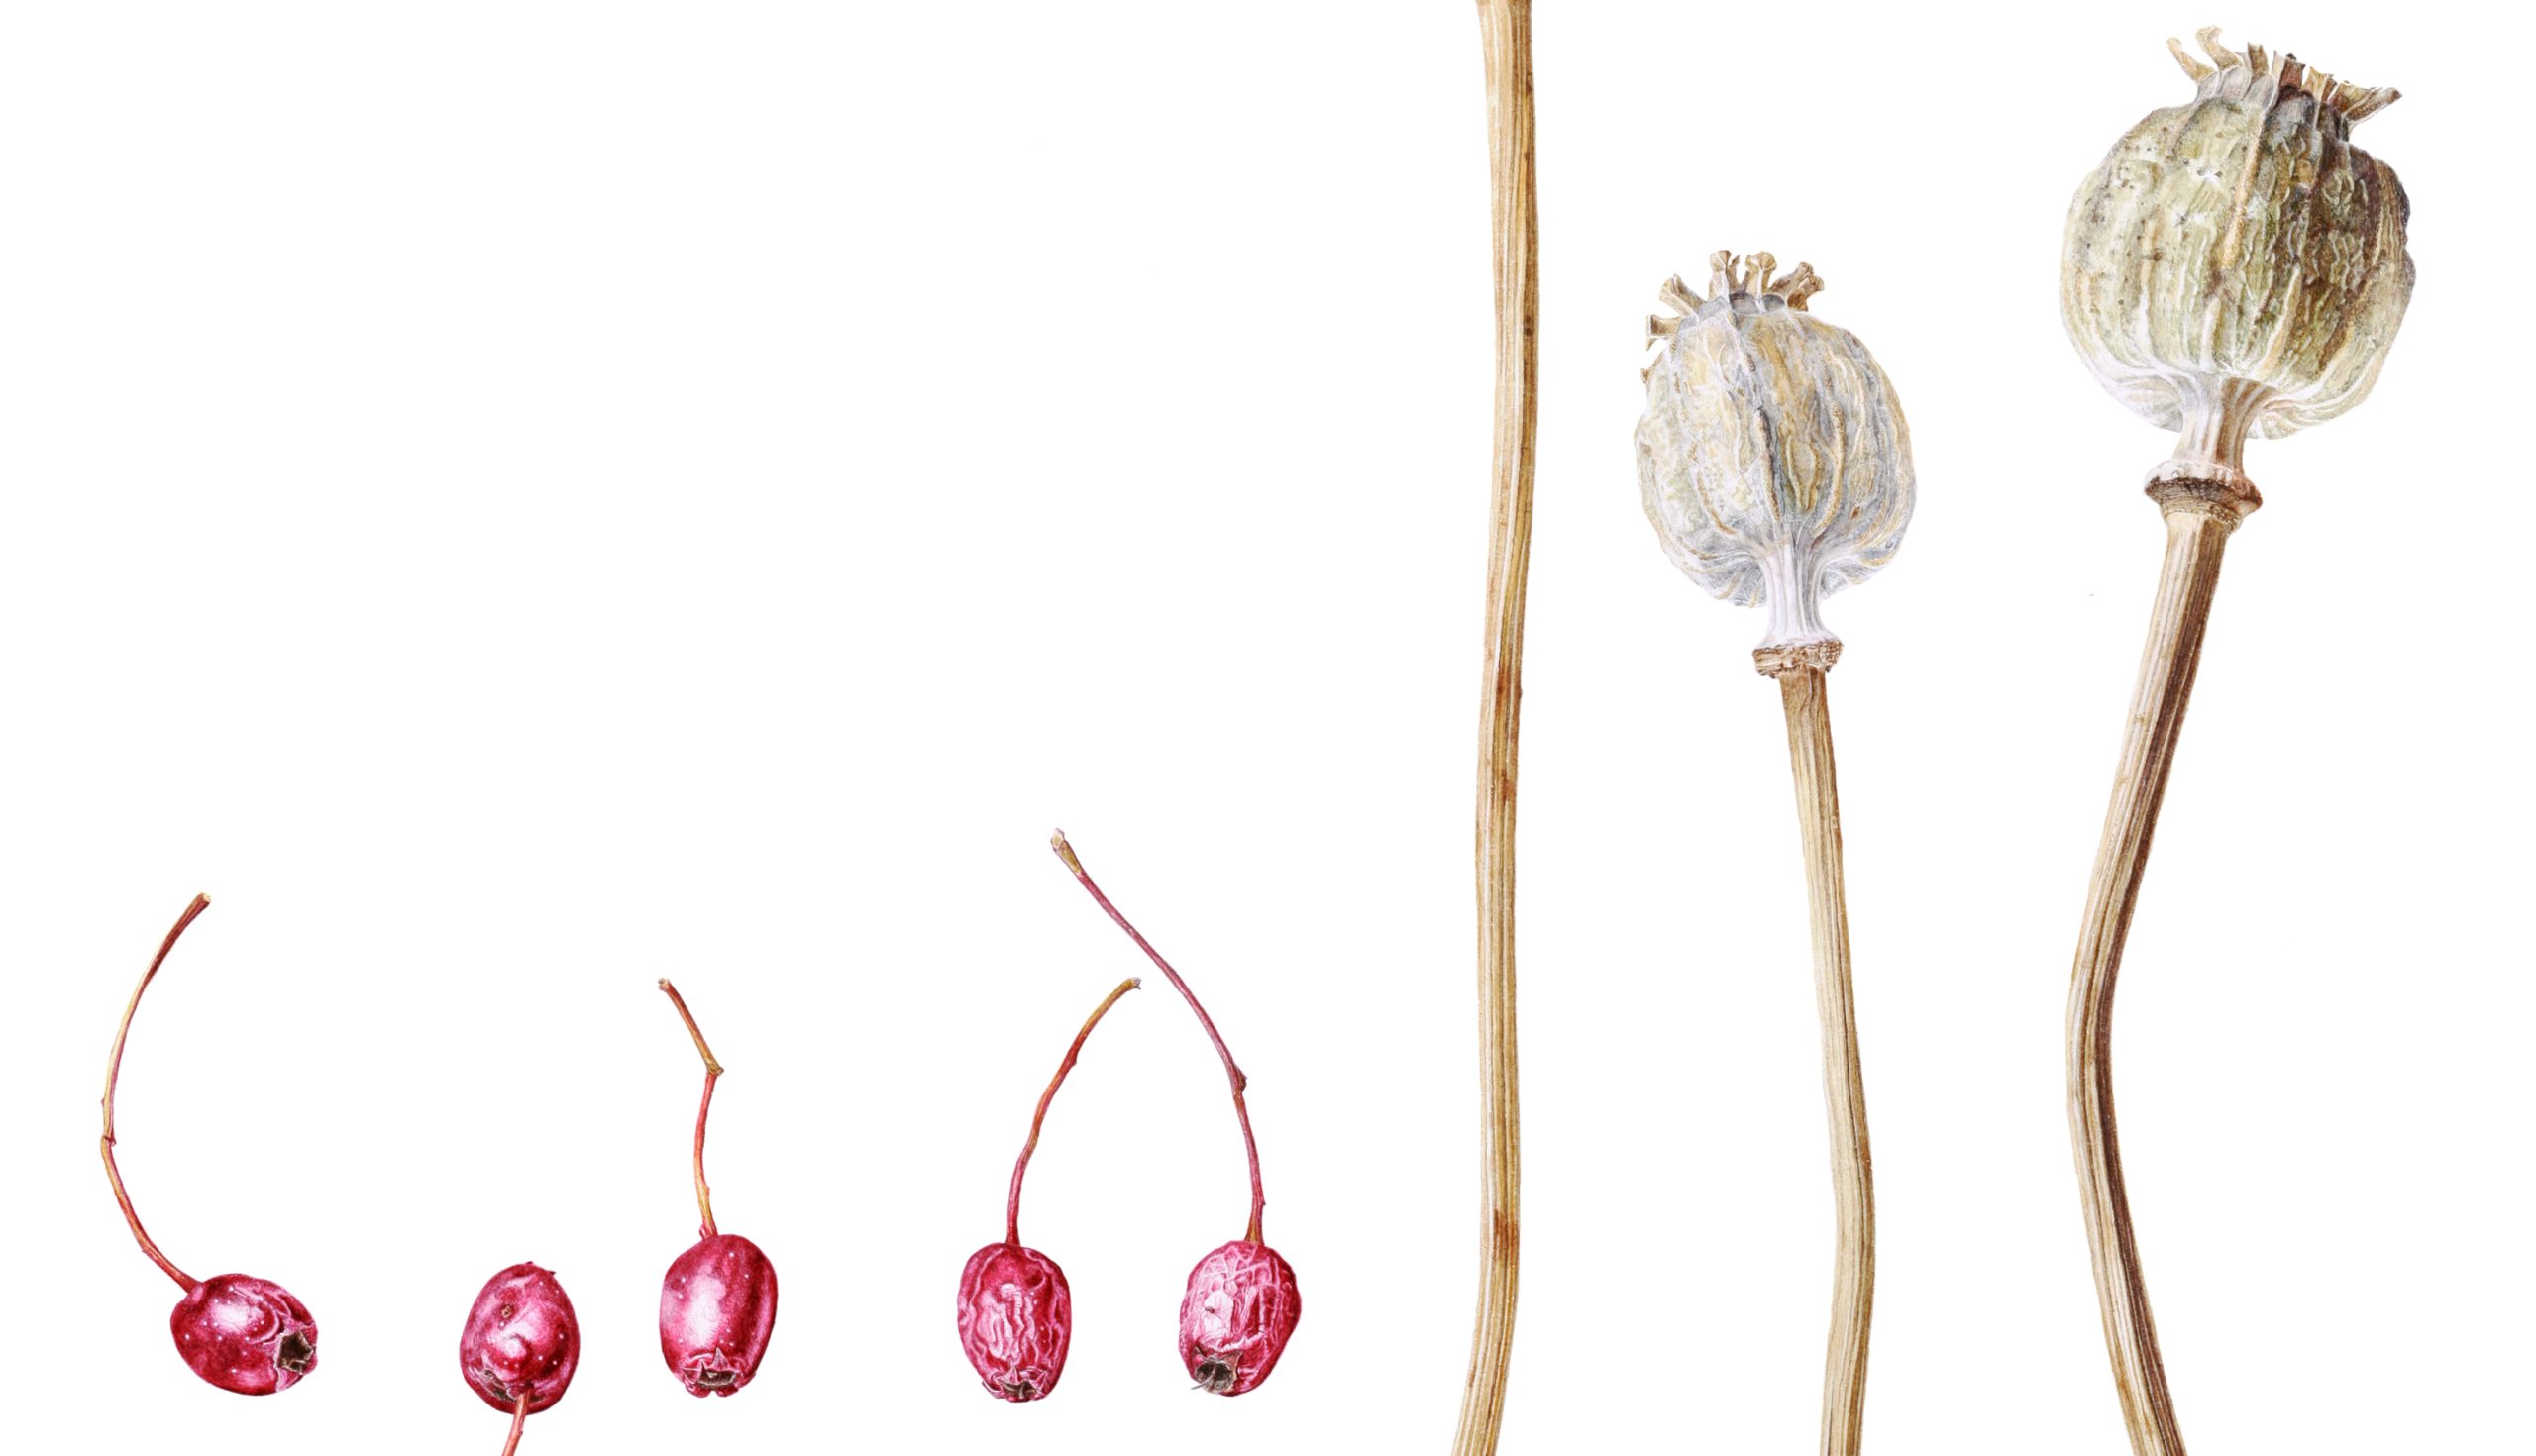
(516, 500)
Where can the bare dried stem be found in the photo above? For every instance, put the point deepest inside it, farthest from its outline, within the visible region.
(114, 1071)
(1506, 46)
(1818, 816)
(2200, 515)
(1013, 1204)
(704, 1107)
(1232, 1070)
(519, 1422)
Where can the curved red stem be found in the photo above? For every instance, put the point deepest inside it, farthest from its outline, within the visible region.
(519, 1422)
(1233, 1073)
(712, 1073)
(114, 1070)
(1013, 1204)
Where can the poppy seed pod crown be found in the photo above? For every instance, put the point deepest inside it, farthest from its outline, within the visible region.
(2235, 263)
(1773, 456)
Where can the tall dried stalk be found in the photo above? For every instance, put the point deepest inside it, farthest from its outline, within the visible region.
(1818, 817)
(2200, 516)
(1506, 39)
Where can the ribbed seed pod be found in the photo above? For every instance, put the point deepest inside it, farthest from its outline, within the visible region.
(1777, 468)
(1773, 456)
(2235, 263)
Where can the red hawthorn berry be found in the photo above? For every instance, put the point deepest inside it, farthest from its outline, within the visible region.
(1016, 1314)
(237, 1332)
(1016, 1317)
(717, 1313)
(521, 1340)
(1240, 1310)
(1241, 1305)
(717, 1300)
(244, 1334)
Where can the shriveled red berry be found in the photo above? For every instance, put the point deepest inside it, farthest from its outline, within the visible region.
(1240, 1310)
(244, 1334)
(1016, 1313)
(521, 1339)
(1241, 1306)
(717, 1313)
(1016, 1317)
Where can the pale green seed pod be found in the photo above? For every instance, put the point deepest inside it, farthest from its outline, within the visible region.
(1773, 456)
(2235, 263)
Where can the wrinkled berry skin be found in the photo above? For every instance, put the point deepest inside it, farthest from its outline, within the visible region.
(718, 1311)
(521, 1337)
(244, 1334)
(1016, 1316)
(1239, 1312)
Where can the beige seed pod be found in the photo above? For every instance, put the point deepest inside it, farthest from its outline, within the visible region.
(2235, 263)
(1777, 468)
(1773, 456)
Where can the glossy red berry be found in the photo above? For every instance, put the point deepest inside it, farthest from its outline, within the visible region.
(244, 1334)
(717, 1313)
(239, 1332)
(717, 1301)
(1016, 1317)
(521, 1340)
(1240, 1310)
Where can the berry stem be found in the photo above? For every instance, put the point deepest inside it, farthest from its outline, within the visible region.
(519, 1422)
(1012, 1205)
(712, 1073)
(1233, 1073)
(114, 1071)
